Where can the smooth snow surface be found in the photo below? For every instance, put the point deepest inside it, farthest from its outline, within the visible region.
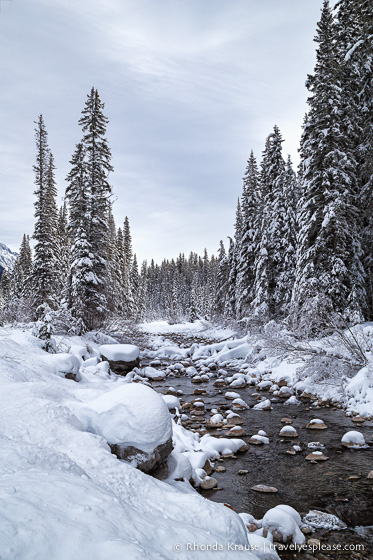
(63, 494)
(131, 414)
(120, 352)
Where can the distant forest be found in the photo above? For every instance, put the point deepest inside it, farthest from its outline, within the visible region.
(302, 251)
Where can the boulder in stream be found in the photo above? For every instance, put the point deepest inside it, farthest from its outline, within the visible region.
(122, 358)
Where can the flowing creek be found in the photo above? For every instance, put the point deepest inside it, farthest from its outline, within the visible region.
(324, 486)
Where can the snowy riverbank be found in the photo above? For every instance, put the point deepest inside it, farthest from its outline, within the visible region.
(64, 494)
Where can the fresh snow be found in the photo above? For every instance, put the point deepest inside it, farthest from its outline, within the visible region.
(64, 495)
(131, 414)
(120, 352)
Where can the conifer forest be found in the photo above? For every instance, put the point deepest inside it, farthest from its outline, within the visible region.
(302, 246)
(212, 404)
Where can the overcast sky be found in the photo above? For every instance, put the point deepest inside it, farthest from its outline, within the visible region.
(189, 86)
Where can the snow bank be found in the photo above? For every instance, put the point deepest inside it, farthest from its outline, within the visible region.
(64, 495)
(132, 414)
(359, 392)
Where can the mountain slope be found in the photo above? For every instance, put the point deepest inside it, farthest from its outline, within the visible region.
(7, 258)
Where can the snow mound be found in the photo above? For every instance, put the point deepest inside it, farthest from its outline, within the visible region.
(120, 352)
(131, 415)
(354, 439)
(263, 405)
(284, 521)
(171, 401)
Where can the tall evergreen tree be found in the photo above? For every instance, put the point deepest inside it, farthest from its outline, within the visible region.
(268, 263)
(251, 226)
(45, 264)
(221, 281)
(329, 252)
(81, 281)
(90, 189)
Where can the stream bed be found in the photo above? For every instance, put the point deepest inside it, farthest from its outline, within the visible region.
(325, 486)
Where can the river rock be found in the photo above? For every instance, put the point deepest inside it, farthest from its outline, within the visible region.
(220, 469)
(242, 472)
(213, 425)
(207, 467)
(314, 543)
(209, 483)
(122, 358)
(355, 440)
(231, 395)
(370, 474)
(220, 383)
(288, 431)
(316, 456)
(243, 449)
(235, 420)
(286, 421)
(147, 462)
(236, 431)
(265, 489)
(200, 392)
(358, 419)
(316, 424)
(196, 379)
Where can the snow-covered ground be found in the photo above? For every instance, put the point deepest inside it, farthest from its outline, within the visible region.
(63, 494)
(200, 328)
(253, 354)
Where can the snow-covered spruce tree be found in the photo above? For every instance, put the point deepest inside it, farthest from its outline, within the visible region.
(283, 239)
(142, 293)
(221, 282)
(354, 26)
(89, 195)
(328, 258)
(115, 265)
(21, 270)
(129, 307)
(270, 301)
(135, 279)
(63, 247)
(251, 227)
(81, 280)
(5, 286)
(43, 328)
(233, 260)
(45, 269)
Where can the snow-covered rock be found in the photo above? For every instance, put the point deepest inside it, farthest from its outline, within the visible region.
(321, 520)
(354, 439)
(135, 421)
(171, 401)
(288, 431)
(122, 357)
(284, 524)
(263, 405)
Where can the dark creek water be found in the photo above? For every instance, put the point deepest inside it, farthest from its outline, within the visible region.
(324, 486)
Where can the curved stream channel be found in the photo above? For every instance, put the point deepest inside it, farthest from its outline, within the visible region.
(324, 486)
